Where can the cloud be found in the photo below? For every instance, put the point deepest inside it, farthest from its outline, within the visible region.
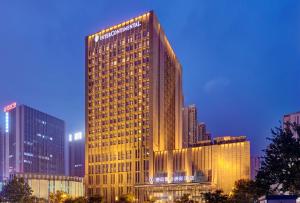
(216, 83)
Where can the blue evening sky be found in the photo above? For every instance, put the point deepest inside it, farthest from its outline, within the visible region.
(240, 59)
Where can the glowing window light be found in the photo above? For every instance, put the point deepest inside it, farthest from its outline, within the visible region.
(70, 137)
(78, 136)
(75, 136)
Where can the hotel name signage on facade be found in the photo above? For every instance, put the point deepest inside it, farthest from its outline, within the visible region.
(117, 31)
(171, 179)
(10, 107)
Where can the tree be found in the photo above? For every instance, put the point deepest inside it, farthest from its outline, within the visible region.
(280, 168)
(244, 191)
(185, 199)
(151, 199)
(126, 198)
(76, 200)
(215, 197)
(16, 190)
(34, 199)
(95, 199)
(58, 197)
(69, 200)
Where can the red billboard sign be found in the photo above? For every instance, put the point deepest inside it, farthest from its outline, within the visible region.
(10, 107)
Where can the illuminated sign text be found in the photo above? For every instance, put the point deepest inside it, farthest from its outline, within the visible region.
(10, 107)
(171, 179)
(118, 31)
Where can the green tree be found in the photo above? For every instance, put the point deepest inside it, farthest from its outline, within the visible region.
(215, 197)
(151, 199)
(126, 198)
(185, 198)
(95, 199)
(280, 168)
(16, 190)
(76, 200)
(58, 197)
(34, 199)
(69, 200)
(244, 191)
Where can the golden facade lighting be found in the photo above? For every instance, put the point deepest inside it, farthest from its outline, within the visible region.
(133, 105)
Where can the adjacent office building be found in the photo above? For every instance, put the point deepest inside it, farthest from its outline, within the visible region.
(189, 125)
(133, 104)
(76, 154)
(36, 141)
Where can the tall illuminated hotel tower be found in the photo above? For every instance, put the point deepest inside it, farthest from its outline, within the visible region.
(133, 105)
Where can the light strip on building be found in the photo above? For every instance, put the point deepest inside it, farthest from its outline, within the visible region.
(6, 122)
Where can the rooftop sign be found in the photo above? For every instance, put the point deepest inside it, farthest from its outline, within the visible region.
(117, 31)
(10, 107)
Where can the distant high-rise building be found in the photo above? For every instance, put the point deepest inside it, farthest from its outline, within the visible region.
(36, 141)
(208, 136)
(202, 133)
(293, 118)
(76, 154)
(189, 129)
(255, 166)
(133, 105)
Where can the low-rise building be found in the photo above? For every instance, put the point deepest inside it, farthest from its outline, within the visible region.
(292, 118)
(278, 199)
(42, 185)
(215, 165)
